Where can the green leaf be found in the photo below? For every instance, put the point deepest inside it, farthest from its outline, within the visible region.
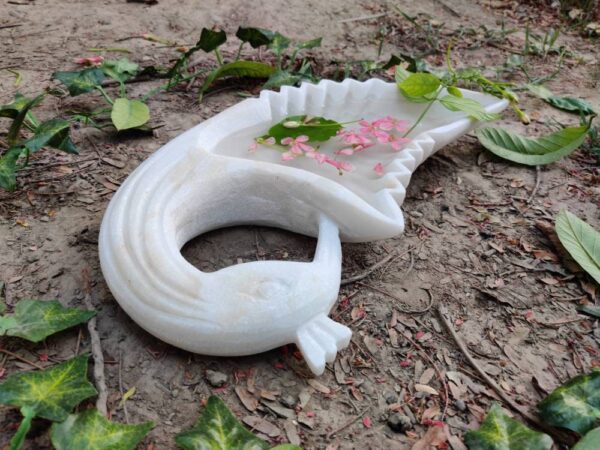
(473, 108)
(210, 40)
(119, 69)
(533, 152)
(282, 78)
(590, 310)
(8, 168)
(128, 114)
(581, 241)
(316, 128)
(91, 430)
(279, 43)
(570, 104)
(34, 320)
(81, 81)
(218, 429)
(312, 43)
(453, 90)
(419, 84)
(53, 133)
(249, 69)
(51, 393)
(500, 432)
(591, 441)
(256, 37)
(20, 102)
(539, 90)
(574, 405)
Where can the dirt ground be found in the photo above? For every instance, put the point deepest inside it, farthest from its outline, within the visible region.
(473, 241)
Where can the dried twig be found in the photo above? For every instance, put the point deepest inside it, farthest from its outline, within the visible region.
(538, 180)
(99, 378)
(20, 358)
(357, 19)
(361, 276)
(560, 436)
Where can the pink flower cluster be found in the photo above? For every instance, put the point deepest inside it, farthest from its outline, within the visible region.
(299, 147)
(90, 61)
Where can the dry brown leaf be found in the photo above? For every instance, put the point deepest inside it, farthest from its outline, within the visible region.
(319, 386)
(434, 437)
(291, 432)
(247, 399)
(426, 389)
(261, 425)
(427, 376)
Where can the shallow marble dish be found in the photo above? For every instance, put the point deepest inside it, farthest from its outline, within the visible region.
(206, 179)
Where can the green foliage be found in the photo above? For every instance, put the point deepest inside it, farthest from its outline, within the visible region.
(52, 133)
(8, 168)
(533, 152)
(256, 37)
(11, 110)
(91, 430)
(570, 104)
(128, 114)
(575, 405)
(218, 429)
(210, 40)
(119, 69)
(249, 69)
(51, 393)
(279, 43)
(591, 441)
(316, 128)
(282, 78)
(472, 108)
(499, 432)
(35, 320)
(581, 241)
(419, 85)
(82, 81)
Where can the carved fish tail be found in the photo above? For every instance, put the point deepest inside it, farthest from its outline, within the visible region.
(320, 339)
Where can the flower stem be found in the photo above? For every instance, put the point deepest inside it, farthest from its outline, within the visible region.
(17, 441)
(239, 52)
(422, 115)
(219, 58)
(104, 94)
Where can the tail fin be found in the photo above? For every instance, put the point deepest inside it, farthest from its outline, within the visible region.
(320, 339)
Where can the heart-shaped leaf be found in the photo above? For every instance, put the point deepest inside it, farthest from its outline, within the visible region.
(419, 85)
(279, 43)
(20, 102)
(574, 405)
(581, 241)
(210, 40)
(128, 114)
(8, 168)
(51, 393)
(500, 432)
(282, 78)
(471, 107)
(249, 69)
(53, 133)
(119, 69)
(533, 152)
(91, 430)
(34, 320)
(591, 441)
(316, 128)
(218, 429)
(256, 37)
(81, 81)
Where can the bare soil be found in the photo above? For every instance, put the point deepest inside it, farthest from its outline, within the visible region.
(473, 243)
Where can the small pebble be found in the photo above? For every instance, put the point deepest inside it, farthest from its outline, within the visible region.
(390, 397)
(216, 379)
(399, 423)
(460, 405)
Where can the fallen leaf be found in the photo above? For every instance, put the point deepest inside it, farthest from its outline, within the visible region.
(261, 425)
(247, 399)
(426, 389)
(319, 386)
(435, 437)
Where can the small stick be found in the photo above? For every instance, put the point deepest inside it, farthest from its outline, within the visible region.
(20, 358)
(329, 435)
(538, 180)
(558, 435)
(356, 19)
(393, 254)
(99, 377)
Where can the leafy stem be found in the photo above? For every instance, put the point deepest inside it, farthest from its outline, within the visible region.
(17, 441)
(219, 57)
(104, 94)
(422, 115)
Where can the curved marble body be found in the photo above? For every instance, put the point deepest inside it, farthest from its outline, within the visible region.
(205, 179)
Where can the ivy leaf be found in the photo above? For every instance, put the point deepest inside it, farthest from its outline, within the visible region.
(210, 40)
(316, 128)
(279, 43)
(249, 69)
(128, 114)
(533, 152)
(591, 441)
(473, 108)
(119, 69)
(81, 81)
(419, 85)
(581, 241)
(8, 168)
(500, 432)
(53, 133)
(51, 393)
(218, 429)
(282, 78)
(91, 430)
(574, 405)
(35, 320)
(256, 37)
(312, 43)
(20, 102)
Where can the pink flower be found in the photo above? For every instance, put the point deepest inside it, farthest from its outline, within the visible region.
(345, 151)
(298, 146)
(378, 169)
(367, 128)
(351, 137)
(319, 157)
(91, 61)
(253, 147)
(340, 165)
(287, 156)
(388, 123)
(269, 141)
(395, 142)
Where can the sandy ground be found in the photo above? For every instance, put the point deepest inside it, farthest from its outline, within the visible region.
(471, 243)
